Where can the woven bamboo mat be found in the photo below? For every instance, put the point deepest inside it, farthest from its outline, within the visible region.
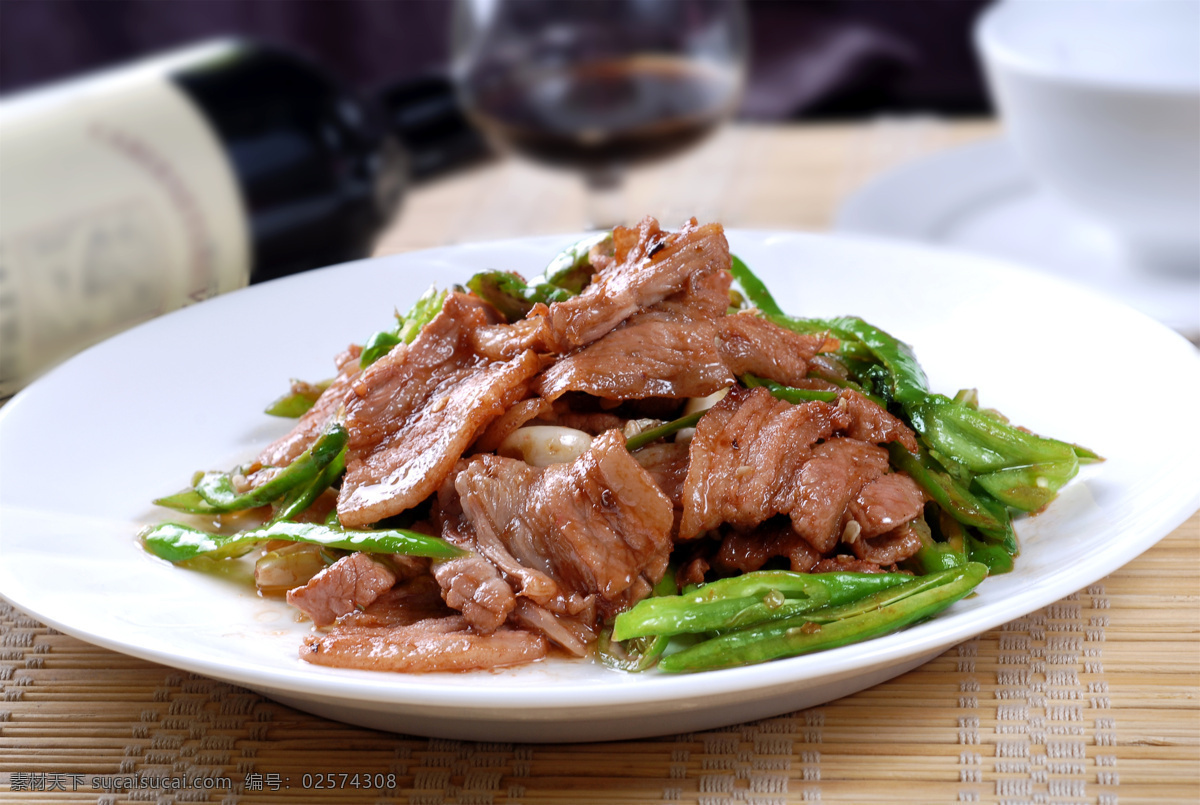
(1091, 700)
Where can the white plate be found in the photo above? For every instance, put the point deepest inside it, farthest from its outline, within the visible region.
(86, 448)
(978, 198)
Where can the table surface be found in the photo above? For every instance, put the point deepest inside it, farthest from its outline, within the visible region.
(1091, 700)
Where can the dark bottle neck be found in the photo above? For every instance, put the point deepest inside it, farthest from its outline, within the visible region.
(320, 174)
(425, 116)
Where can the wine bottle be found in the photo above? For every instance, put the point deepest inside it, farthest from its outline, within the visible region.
(151, 186)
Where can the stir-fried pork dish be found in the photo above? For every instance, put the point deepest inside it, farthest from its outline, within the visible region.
(632, 447)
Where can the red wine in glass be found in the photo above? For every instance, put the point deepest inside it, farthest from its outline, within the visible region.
(599, 85)
(597, 115)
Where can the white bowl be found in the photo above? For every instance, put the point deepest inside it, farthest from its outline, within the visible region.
(1101, 98)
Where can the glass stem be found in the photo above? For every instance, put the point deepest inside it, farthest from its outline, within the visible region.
(605, 198)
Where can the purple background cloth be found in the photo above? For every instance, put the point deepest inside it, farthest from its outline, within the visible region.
(832, 58)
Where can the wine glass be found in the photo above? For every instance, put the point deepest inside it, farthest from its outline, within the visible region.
(599, 85)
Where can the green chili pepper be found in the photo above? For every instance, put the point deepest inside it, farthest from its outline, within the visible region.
(571, 269)
(297, 403)
(850, 346)
(188, 501)
(747, 283)
(1031, 487)
(217, 487)
(304, 495)
(874, 616)
(378, 345)
(909, 384)
(787, 393)
(566, 276)
(408, 326)
(945, 491)
(997, 559)
(662, 431)
(1004, 535)
(940, 556)
(981, 442)
(180, 543)
(935, 556)
(214, 492)
(504, 291)
(1019, 469)
(747, 599)
(640, 653)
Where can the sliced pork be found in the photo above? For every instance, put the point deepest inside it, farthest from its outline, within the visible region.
(826, 486)
(474, 587)
(500, 342)
(747, 551)
(886, 503)
(509, 421)
(666, 349)
(653, 355)
(870, 423)
(413, 413)
(745, 458)
(411, 600)
(750, 344)
(846, 564)
(442, 644)
(598, 526)
(350, 583)
(667, 463)
(896, 545)
(649, 265)
(592, 423)
(754, 457)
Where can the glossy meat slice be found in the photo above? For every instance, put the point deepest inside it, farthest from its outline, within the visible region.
(597, 526)
(474, 587)
(745, 551)
(413, 413)
(753, 457)
(411, 600)
(845, 564)
(350, 583)
(745, 457)
(482, 538)
(827, 485)
(750, 344)
(656, 354)
(886, 503)
(667, 463)
(896, 545)
(870, 423)
(509, 421)
(442, 644)
(312, 424)
(650, 265)
(500, 342)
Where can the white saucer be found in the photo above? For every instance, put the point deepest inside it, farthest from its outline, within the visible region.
(977, 198)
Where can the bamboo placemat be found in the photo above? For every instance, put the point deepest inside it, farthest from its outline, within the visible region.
(1090, 700)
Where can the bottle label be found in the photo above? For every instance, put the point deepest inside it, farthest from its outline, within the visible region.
(118, 204)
